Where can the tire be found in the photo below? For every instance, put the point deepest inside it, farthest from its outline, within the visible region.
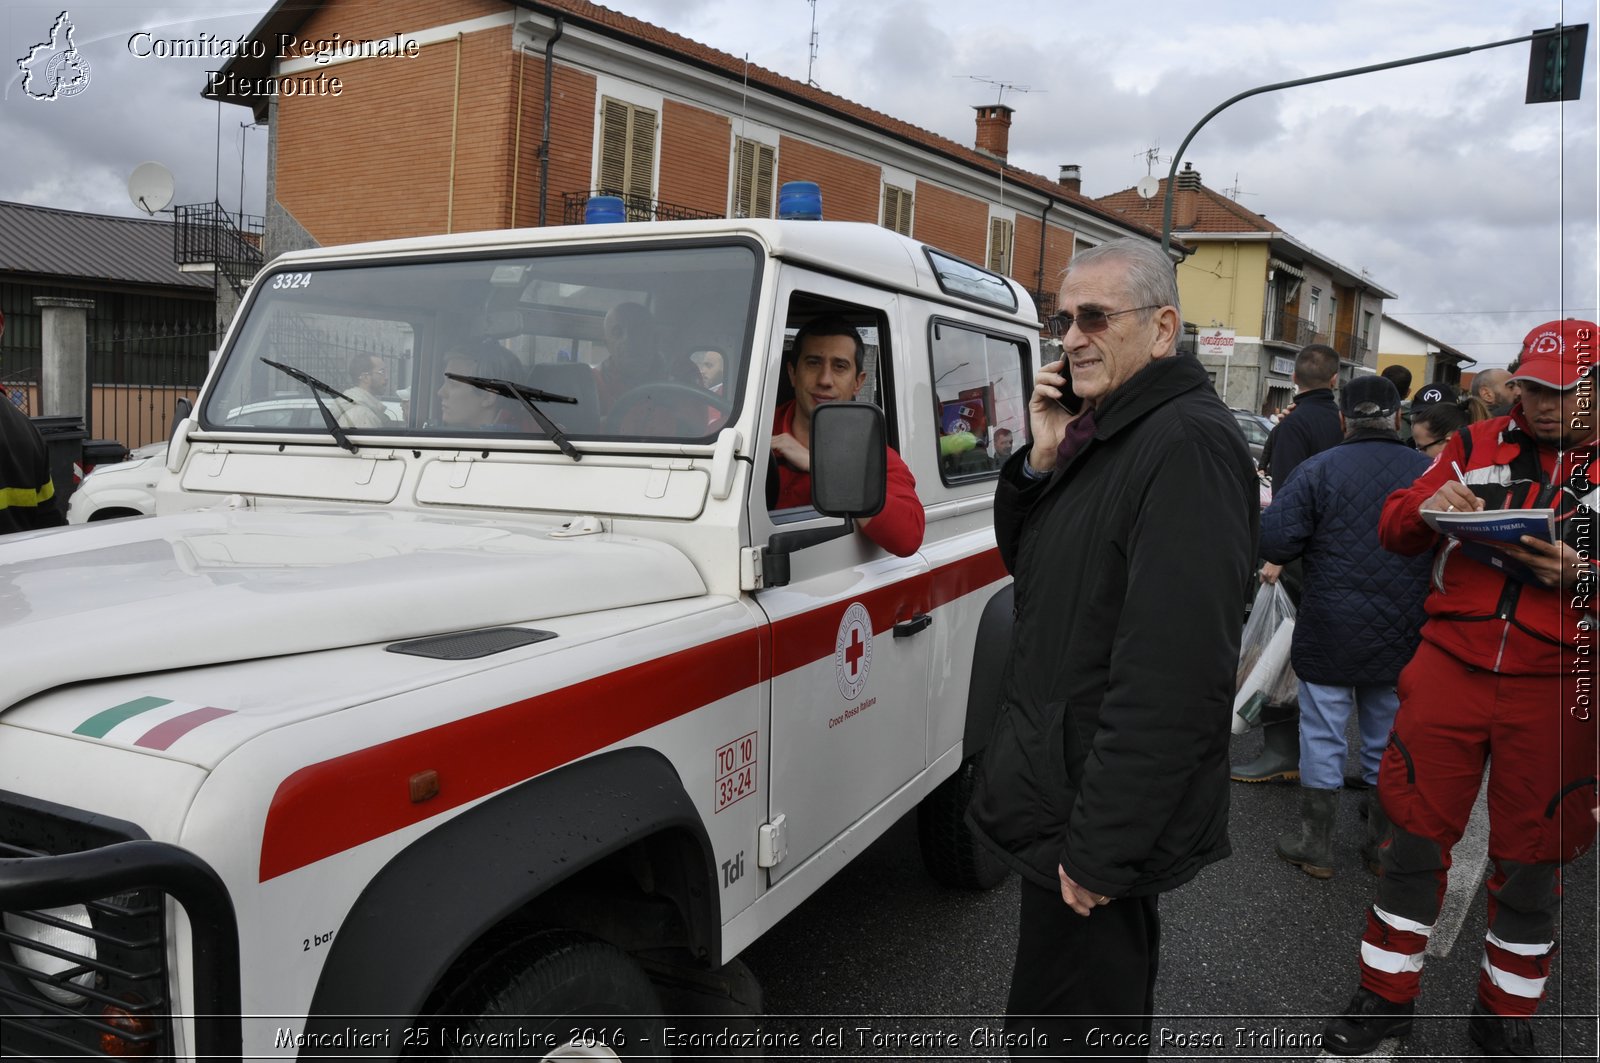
(532, 997)
(951, 851)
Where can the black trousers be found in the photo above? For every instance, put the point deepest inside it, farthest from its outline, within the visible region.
(1083, 985)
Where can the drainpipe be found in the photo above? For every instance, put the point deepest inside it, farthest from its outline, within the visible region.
(455, 119)
(544, 141)
(516, 143)
(1044, 230)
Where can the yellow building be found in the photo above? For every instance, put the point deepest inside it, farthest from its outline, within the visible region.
(1251, 283)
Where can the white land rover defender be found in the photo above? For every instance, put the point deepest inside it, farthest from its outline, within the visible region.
(511, 696)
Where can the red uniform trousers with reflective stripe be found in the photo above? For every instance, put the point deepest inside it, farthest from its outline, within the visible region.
(1538, 734)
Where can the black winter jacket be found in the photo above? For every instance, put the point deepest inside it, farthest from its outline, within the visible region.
(1310, 428)
(27, 495)
(1109, 755)
(1360, 615)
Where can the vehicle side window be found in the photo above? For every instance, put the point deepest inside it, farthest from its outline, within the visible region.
(820, 374)
(980, 394)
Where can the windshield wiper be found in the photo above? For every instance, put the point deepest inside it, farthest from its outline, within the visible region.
(527, 396)
(316, 385)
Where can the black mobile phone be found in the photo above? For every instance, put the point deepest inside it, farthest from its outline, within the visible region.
(1070, 400)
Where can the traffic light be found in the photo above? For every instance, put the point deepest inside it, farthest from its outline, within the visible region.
(1555, 65)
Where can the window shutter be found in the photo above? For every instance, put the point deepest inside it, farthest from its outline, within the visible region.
(1000, 236)
(642, 153)
(765, 165)
(744, 164)
(752, 179)
(627, 155)
(613, 147)
(897, 209)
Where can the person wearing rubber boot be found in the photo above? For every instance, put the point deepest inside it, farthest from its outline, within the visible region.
(1504, 676)
(1360, 613)
(1310, 427)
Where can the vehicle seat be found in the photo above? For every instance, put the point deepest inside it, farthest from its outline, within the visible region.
(569, 378)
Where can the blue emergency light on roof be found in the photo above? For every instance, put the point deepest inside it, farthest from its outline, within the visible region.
(604, 209)
(800, 201)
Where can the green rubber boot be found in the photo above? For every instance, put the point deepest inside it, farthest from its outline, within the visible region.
(1280, 755)
(1310, 848)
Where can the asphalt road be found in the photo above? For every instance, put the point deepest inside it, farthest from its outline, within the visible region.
(884, 963)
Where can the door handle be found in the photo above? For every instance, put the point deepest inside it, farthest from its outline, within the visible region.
(906, 628)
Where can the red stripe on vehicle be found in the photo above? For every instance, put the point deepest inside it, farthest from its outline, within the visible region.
(329, 807)
(163, 735)
(797, 638)
(335, 805)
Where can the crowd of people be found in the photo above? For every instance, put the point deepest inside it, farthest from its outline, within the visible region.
(1451, 654)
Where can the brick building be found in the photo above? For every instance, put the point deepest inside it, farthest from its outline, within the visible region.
(488, 114)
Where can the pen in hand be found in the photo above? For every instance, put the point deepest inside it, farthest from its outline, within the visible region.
(1461, 478)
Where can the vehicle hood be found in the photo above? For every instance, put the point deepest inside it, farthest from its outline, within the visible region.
(191, 589)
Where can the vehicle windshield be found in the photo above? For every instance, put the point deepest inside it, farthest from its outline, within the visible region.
(652, 345)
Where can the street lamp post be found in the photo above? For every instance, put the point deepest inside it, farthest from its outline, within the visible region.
(1570, 75)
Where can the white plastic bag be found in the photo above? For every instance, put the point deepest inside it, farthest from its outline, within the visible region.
(1265, 675)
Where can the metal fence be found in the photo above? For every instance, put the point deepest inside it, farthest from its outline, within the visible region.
(204, 234)
(137, 370)
(639, 208)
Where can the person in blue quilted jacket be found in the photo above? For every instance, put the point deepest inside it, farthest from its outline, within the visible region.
(1360, 615)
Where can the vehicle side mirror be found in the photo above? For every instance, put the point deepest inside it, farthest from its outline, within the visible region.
(849, 469)
(849, 478)
(181, 409)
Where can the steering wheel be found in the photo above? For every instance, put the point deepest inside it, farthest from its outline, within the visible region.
(682, 406)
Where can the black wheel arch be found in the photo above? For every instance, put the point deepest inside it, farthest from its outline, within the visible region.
(460, 881)
(989, 654)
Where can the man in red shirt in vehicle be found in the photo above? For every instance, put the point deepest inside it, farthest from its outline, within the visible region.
(1504, 674)
(824, 365)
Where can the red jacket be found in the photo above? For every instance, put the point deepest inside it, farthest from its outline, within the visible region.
(898, 526)
(1477, 613)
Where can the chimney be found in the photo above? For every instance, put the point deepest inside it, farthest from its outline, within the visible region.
(994, 129)
(1186, 198)
(1071, 177)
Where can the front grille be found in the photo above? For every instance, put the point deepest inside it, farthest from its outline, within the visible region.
(107, 983)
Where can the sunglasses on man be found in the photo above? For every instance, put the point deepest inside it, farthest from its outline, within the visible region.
(1089, 322)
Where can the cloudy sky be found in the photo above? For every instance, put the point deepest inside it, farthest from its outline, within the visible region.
(1478, 210)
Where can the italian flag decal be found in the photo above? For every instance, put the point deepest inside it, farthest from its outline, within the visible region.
(150, 723)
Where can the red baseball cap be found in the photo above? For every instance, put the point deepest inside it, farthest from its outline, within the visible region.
(1558, 354)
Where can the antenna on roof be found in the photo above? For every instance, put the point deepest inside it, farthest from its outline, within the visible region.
(1152, 155)
(813, 60)
(1001, 85)
(1235, 191)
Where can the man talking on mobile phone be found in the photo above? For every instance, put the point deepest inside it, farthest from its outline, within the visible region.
(1131, 530)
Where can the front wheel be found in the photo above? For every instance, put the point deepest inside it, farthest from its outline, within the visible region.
(951, 851)
(551, 995)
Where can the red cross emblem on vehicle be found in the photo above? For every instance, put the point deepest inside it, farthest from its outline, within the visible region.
(852, 650)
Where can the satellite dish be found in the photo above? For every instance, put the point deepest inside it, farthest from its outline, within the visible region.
(150, 186)
(1147, 187)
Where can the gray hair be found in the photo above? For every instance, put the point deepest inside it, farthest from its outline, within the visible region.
(1152, 278)
(1353, 425)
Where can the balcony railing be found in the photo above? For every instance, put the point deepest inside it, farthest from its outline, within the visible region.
(206, 235)
(639, 208)
(1351, 347)
(1281, 327)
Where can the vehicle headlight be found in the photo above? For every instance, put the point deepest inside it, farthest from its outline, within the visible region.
(60, 938)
